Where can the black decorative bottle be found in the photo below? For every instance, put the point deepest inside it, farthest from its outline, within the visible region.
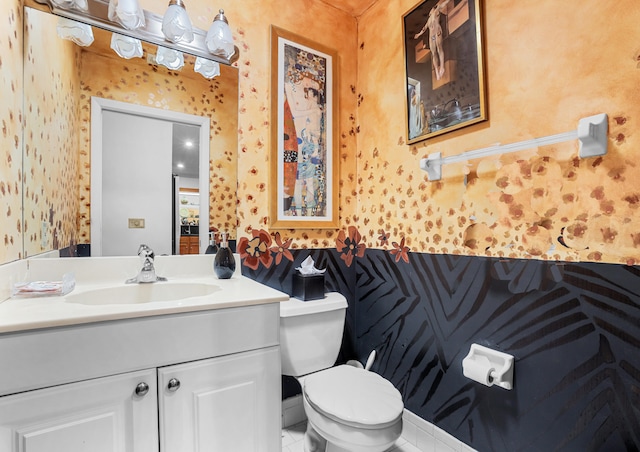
(212, 248)
(224, 264)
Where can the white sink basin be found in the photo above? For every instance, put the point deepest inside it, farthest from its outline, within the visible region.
(142, 293)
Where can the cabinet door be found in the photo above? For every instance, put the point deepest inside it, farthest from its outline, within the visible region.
(184, 245)
(230, 403)
(194, 244)
(101, 415)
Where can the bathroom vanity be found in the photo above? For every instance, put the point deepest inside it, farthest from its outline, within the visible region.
(185, 374)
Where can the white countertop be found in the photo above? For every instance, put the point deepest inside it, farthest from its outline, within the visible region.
(19, 314)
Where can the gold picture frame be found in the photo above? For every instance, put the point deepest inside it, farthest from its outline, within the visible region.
(304, 166)
(444, 66)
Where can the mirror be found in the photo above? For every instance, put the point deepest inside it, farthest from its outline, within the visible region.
(60, 81)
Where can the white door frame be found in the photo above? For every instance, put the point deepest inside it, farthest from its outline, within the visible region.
(98, 106)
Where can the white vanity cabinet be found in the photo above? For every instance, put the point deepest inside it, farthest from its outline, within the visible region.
(211, 381)
(221, 404)
(98, 415)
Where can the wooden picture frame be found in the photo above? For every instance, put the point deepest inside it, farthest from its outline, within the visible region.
(304, 164)
(444, 64)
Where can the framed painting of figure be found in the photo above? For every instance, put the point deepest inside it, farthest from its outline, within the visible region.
(444, 64)
(304, 144)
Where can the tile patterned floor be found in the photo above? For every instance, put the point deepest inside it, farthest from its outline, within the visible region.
(292, 440)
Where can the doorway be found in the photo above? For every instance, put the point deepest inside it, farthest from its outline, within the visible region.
(132, 170)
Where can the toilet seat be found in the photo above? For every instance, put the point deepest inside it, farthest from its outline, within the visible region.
(354, 397)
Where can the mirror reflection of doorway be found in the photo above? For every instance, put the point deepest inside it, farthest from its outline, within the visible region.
(133, 199)
(186, 196)
(188, 210)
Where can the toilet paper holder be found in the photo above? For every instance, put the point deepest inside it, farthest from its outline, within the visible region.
(489, 367)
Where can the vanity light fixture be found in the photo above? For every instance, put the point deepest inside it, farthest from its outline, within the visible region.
(71, 4)
(125, 17)
(219, 39)
(207, 68)
(81, 34)
(169, 58)
(127, 13)
(176, 25)
(126, 46)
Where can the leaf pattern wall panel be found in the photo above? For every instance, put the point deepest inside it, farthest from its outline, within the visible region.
(573, 329)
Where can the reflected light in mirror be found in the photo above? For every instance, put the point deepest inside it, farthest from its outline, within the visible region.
(169, 58)
(126, 47)
(77, 32)
(207, 68)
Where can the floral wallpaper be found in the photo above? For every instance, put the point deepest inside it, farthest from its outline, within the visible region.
(10, 131)
(51, 99)
(543, 203)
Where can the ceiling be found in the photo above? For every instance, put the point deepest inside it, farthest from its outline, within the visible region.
(353, 7)
(185, 155)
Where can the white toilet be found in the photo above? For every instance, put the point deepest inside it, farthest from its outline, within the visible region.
(347, 408)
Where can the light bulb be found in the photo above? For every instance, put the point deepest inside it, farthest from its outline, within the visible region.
(176, 25)
(127, 13)
(219, 38)
(80, 33)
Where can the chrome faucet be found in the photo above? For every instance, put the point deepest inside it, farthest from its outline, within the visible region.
(148, 272)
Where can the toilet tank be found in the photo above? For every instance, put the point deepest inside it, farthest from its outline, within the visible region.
(311, 333)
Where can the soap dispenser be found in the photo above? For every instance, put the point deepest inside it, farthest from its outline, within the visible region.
(224, 264)
(212, 248)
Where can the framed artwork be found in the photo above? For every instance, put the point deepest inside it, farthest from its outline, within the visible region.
(444, 65)
(303, 188)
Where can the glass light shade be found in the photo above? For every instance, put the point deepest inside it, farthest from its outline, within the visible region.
(176, 25)
(81, 34)
(126, 46)
(127, 13)
(219, 39)
(207, 68)
(170, 58)
(71, 4)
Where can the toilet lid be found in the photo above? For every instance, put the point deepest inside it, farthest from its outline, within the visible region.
(354, 396)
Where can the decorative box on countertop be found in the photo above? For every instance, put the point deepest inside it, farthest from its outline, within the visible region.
(308, 287)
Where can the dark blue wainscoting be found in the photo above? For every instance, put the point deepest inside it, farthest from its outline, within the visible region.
(574, 329)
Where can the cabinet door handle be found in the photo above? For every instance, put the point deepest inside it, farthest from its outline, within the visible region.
(142, 389)
(174, 385)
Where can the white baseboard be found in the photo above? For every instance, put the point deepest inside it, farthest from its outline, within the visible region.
(427, 437)
(293, 411)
